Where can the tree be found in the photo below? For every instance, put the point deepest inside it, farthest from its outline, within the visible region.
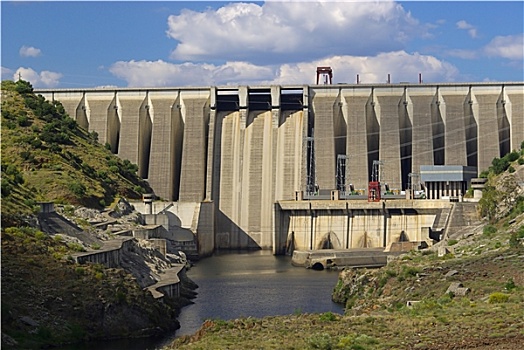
(488, 202)
(23, 87)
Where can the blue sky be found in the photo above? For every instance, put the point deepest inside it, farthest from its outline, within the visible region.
(73, 44)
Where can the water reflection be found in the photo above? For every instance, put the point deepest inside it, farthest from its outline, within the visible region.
(242, 284)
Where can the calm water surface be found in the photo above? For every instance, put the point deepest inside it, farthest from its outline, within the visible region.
(233, 285)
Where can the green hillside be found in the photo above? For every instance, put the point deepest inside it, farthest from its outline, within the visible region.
(48, 299)
(46, 156)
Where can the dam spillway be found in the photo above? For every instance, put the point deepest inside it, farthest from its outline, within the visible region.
(242, 149)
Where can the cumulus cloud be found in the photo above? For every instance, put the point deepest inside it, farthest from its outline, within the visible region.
(510, 47)
(278, 32)
(29, 51)
(43, 79)
(161, 73)
(472, 31)
(399, 64)
(374, 69)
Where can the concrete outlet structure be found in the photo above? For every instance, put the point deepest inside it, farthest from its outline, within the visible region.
(243, 149)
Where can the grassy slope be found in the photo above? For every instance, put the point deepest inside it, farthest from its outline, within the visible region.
(77, 171)
(64, 302)
(491, 315)
(379, 318)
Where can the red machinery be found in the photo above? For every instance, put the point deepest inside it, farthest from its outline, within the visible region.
(374, 191)
(374, 194)
(327, 74)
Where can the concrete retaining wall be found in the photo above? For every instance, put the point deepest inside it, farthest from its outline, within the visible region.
(109, 255)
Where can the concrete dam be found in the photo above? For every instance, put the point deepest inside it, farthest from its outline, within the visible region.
(239, 156)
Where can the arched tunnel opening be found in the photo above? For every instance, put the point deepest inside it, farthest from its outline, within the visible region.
(317, 266)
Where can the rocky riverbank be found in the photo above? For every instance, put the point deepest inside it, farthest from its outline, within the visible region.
(48, 299)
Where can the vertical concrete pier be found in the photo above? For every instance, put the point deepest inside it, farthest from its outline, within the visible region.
(240, 150)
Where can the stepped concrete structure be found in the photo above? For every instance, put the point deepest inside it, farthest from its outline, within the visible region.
(243, 152)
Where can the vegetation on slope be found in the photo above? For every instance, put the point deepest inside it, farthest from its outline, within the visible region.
(46, 156)
(48, 299)
(407, 304)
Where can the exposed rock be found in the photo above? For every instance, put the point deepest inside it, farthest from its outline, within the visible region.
(451, 273)
(457, 289)
(86, 213)
(122, 208)
(7, 340)
(29, 321)
(411, 303)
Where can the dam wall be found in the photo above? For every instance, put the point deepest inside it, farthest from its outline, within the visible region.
(241, 149)
(324, 224)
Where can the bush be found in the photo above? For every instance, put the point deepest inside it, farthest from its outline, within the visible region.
(23, 121)
(77, 188)
(328, 316)
(452, 242)
(498, 298)
(320, 341)
(77, 247)
(516, 238)
(6, 188)
(510, 285)
(489, 230)
(513, 156)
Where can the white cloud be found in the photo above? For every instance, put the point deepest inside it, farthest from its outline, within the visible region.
(510, 47)
(29, 51)
(472, 31)
(401, 65)
(278, 32)
(463, 53)
(7, 73)
(43, 79)
(161, 73)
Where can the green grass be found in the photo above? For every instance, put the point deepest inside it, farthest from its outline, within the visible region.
(48, 157)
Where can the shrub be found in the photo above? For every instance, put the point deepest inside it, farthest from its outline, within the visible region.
(328, 316)
(489, 230)
(40, 235)
(510, 285)
(356, 342)
(6, 188)
(513, 156)
(498, 298)
(23, 121)
(516, 238)
(321, 341)
(77, 247)
(77, 188)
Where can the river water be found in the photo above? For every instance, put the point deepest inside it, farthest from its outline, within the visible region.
(233, 285)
